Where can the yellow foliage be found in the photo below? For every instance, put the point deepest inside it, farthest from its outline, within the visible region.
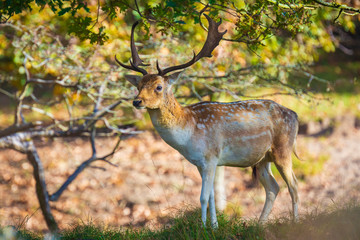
(199, 37)
(74, 98)
(222, 68)
(240, 4)
(28, 65)
(58, 90)
(3, 44)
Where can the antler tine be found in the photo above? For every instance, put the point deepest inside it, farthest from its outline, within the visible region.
(174, 68)
(134, 54)
(136, 68)
(123, 65)
(158, 68)
(212, 41)
(136, 60)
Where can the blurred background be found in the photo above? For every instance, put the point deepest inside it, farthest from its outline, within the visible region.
(64, 100)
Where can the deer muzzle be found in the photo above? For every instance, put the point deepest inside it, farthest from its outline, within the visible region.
(137, 103)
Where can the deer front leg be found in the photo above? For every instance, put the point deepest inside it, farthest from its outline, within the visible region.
(207, 173)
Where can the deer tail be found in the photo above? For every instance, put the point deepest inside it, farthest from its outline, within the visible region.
(295, 153)
(255, 176)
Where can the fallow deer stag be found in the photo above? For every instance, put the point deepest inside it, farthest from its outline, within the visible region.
(250, 133)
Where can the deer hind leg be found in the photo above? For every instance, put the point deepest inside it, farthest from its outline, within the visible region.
(219, 186)
(271, 188)
(285, 169)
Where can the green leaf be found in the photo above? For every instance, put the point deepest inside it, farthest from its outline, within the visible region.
(63, 11)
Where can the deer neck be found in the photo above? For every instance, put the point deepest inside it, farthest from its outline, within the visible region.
(172, 123)
(169, 115)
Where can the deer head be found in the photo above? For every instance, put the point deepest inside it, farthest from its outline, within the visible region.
(155, 89)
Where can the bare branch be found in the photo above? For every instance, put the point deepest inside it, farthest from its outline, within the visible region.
(97, 14)
(138, 9)
(130, 131)
(115, 149)
(290, 6)
(7, 93)
(72, 177)
(46, 82)
(100, 96)
(41, 111)
(18, 128)
(41, 189)
(193, 89)
(13, 142)
(338, 6)
(92, 142)
(99, 114)
(69, 109)
(18, 115)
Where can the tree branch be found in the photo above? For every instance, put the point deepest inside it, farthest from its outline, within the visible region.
(72, 177)
(338, 6)
(60, 83)
(41, 189)
(18, 128)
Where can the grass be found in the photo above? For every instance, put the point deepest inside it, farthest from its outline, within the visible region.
(336, 223)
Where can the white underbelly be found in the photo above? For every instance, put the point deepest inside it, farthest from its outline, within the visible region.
(241, 157)
(245, 152)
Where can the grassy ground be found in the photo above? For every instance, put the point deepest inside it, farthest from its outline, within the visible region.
(340, 223)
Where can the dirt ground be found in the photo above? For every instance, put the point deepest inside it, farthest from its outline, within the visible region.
(153, 181)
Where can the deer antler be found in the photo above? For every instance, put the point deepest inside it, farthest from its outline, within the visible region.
(136, 61)
(212, 41)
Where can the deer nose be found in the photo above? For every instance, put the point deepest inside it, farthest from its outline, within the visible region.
(136, 103)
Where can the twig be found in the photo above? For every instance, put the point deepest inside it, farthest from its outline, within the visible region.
(68, 108)
(119, 130)
(338, 6)
(99, 114)
(60, 83)
(100, 96)
(18, 115)
(40, 111)
(7, 93)
(97, 15)
(341, 10)
(138, 9)
(194, 91)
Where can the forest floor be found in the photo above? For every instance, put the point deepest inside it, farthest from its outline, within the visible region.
(153, 181)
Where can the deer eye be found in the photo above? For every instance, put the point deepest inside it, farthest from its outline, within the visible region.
(159, 88)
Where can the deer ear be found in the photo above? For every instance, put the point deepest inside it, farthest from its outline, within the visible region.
(174, 77)
(133, 79)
